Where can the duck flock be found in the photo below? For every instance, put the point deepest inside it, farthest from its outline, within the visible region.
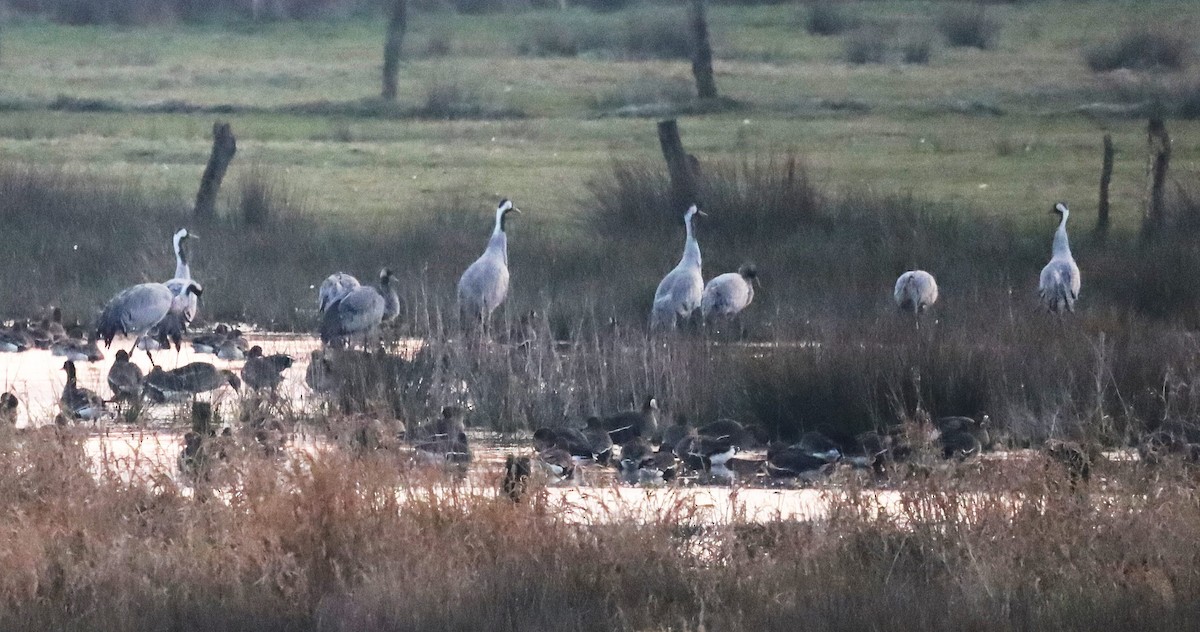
(155, 316)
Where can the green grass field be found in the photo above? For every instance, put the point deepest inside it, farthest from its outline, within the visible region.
(994, 130)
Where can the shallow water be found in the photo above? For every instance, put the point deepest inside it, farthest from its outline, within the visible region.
(146, 453)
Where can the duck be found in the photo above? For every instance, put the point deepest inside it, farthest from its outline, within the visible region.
(8, 409)
(77, 350)
(640, 463)
(517, 470)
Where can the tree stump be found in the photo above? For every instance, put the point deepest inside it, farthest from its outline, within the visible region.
(223, 149)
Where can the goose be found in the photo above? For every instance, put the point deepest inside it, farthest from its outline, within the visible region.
(599, 441)
(125, 378)
(570, 440)
(233, 348)
(8, 409)
(726, 295)
(677, 432)
(1059, 285)
(54, 327)
(680, 292)
(450, 424)
(916, 291)
(319, 374)
(627, 425)
(445, 450)
(211, 341)
(137, 309)
(190, 379)
(745, 437)
(263, 371)
(361, 311)
(78, 402)
(77, 350)
(484, 285)
(963, 437)
(794, 461)
(333, 288)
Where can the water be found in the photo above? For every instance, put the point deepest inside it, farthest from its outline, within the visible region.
(152, 450)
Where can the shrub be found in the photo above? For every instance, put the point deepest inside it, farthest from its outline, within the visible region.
(659, 35)
(1140, 50)
(916, 50)
(968, 27)
(265, 198)
(866, 46)
(829, 18)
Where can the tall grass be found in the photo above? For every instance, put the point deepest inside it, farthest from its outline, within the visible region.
(328, 543)
(843, 359)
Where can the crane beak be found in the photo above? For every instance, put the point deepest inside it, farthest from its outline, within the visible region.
(515, 210)
(701, 213)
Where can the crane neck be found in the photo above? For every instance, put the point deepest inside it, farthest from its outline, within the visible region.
(691, 248)
(70, 375)
(498, 244)
(182, 270)
(1062, 247)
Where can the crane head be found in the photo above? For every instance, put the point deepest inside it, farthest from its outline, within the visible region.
(1060, 209)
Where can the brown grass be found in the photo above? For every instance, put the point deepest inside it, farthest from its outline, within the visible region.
(342, 542)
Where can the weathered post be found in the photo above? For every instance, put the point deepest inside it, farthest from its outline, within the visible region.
(679, 165)
(706, 86)
(223, 149)
(1160, 157)
(1102, 219)
(397, 23)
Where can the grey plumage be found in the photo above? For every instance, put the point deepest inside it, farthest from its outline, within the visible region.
(728, 294)
(361, 310)
(333, 288)
(680, 292)
(916, 291)
(136, 310)
(1060, 282)
(484, 285)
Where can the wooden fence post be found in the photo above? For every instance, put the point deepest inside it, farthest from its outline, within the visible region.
(397, 24)
(1102, 217)
(223, 149)
(1160, 156)
(702, 69)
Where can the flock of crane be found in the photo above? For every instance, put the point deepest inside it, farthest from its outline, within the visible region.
(349, 308)
(156, 315)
